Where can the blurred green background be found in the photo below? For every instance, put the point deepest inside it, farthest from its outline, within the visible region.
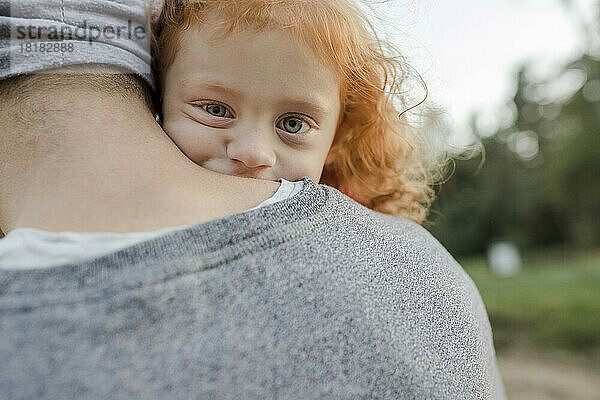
(536, 184)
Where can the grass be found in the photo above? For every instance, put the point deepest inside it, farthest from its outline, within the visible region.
(554, 301)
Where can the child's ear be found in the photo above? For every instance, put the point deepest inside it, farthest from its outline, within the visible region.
(333, 150)
(330, 157)
(156, 7)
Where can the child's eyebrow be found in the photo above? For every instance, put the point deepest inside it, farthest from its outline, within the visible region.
(212, 85)
(309, 103)
(313, 105)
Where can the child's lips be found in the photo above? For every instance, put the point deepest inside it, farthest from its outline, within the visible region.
(236, 170)
(258, 174)
(254, 175)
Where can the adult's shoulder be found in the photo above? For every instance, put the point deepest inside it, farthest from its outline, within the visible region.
(425, 301)
(407, 254)
(398, 238)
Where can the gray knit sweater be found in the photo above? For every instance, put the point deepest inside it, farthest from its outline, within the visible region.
(315, 297)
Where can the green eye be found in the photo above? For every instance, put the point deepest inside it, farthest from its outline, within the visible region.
(216, 109)
(292, 124)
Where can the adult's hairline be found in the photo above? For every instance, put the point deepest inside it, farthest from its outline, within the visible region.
(104, 79)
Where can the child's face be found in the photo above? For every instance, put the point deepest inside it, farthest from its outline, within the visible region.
(251, 105)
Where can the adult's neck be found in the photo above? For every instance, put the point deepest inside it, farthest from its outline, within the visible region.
(77, 159)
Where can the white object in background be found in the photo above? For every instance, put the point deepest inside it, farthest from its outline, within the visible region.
(504, 258)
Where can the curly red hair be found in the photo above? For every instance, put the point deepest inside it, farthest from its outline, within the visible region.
(377, 157)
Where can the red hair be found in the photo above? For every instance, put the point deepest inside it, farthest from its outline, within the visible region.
(377, 158)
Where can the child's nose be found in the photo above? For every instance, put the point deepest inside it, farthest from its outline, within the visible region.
(253, 148)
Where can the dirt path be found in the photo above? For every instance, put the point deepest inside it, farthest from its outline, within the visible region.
(549, 376)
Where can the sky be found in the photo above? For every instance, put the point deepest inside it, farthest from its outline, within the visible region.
(468, 51)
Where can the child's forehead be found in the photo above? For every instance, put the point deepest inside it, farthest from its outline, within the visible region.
(218, 28)
(253, 54)
(215, 36)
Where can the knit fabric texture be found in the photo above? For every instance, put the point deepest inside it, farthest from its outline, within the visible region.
(314, 297)
(43, 35)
